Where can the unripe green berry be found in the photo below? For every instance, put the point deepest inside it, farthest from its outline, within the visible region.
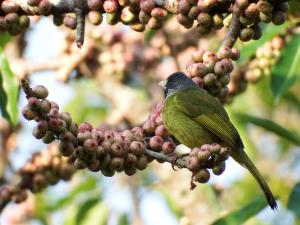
(242, 4)
(49, 137)
(217, 21)
(193, 13)
(73, 128)
(116, 164)
(129, 171)
(108, 172)
(246, 34)
(210, 79)
(279, 17)
(202, 176)
(197, 55)
(185, 21)
(127, 16)
(219, 168)
(204, 19)
(142, 162)
(266, 18)
(112, 18)
(154, 24)
(66, 148)
(131, 160)
(24, 21)
(144, 17)
(80, 164)
(33, 2)
(215, 148)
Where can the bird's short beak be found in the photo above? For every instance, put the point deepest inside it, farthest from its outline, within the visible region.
(163, 84)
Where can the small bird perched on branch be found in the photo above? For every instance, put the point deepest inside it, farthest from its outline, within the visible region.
(194, 118)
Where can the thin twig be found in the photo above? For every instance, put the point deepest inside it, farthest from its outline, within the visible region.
(233, 31)
(179, 162)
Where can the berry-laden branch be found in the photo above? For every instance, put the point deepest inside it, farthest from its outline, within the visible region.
(108, 151)
(208, 14)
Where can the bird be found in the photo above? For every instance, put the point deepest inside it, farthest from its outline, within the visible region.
(194, 117)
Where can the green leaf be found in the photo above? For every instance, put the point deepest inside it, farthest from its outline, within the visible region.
(9, 88)
(97, 215)
(294, 199)
(85, 186)
(292, 99)
(149, 35)
(270, 126)
(84, 209)
(269, 32)
(287, 70)
(123, 219)
(4, 39)
(172, 204)
(240, 215)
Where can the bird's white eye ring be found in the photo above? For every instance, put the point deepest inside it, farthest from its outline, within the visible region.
(163, 84)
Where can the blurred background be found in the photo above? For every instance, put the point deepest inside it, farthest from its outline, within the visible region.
(112, 82)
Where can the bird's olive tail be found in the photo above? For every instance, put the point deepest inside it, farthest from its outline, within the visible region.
(245, 161)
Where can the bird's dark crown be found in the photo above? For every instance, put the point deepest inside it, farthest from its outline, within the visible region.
(176, 82)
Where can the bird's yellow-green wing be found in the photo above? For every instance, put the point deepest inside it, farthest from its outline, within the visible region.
(209, 113)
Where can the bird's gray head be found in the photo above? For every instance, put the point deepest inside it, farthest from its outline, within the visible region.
(176, 82)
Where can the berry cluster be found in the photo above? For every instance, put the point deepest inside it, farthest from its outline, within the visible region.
(255, 11)
(212, 71)
(10, 20)
(266, 56)
(209, 14)
(45, 168)
(100, 150)
(159, 138)
(207, 157)
(137, 14)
